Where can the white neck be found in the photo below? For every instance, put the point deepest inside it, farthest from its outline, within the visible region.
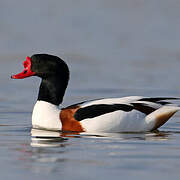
(46, 116)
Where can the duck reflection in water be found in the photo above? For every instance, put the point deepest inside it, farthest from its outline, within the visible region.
(44, 138)
(52, 151)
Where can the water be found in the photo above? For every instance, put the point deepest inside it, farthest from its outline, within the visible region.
(114, 49)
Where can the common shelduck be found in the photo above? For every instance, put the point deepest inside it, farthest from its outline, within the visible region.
(127, 114)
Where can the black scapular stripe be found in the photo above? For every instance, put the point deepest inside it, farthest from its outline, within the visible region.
(100, 109)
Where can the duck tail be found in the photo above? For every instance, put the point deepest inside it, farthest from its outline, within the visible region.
(161, 116)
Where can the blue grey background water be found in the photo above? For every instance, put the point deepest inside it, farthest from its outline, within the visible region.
(114, 48)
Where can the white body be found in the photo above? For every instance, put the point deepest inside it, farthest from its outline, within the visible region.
(120, 121)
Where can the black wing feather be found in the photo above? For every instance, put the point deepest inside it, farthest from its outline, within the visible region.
(100, 109)
(144, 108)
(160, 100)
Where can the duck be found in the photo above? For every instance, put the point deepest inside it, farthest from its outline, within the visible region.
(109, 115)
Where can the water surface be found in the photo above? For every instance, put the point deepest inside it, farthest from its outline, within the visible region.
(114, 49)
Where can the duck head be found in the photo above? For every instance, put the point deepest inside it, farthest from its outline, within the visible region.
(54, 73)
